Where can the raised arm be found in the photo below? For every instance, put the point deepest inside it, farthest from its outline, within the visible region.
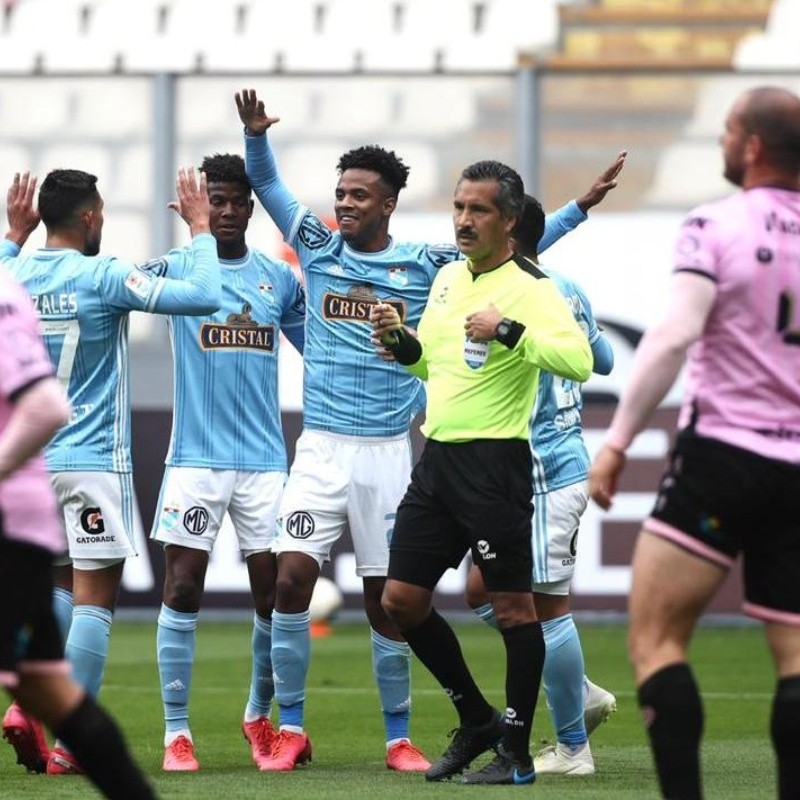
(23, 218)
(262, 171)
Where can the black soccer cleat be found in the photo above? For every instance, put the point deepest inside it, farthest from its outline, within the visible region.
(504, 768)
(469, 741)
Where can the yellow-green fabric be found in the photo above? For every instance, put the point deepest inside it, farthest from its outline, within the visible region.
(493, 398)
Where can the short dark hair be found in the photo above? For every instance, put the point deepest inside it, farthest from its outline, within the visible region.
(773, 114)
(64, 193)
(511, 193)
(529, 228)
(374, 158)
(225, 168)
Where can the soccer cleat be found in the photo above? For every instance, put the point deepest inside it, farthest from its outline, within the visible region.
(469, 741)
(179, 756)
(404, 757)
(261, 735)
(26, 735)
(561, 759)
(288, 750)
(598, 706)
(504, 768)
(62, 762)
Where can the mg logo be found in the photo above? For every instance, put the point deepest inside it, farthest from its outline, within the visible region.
(300, 525)
(195, 520)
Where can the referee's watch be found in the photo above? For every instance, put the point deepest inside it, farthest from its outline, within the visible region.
(508, 332)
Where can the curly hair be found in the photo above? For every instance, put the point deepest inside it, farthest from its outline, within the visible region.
(529, 228)
(225, 168)
(374, 158)
(64, 193)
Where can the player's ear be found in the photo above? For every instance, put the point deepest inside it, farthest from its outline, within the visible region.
(389, 205)
(252, 206)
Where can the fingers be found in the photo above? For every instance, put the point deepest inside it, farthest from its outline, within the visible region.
(616, 167)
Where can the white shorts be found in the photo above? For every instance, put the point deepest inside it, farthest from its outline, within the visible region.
(344, 479)
(193, 502)
(98, 516)
(556, 518)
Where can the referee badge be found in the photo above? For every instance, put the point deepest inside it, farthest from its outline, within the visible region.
(475, 353)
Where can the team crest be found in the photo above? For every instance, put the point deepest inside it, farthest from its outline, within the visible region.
(265, 289)
(169, 516)
(398, 276)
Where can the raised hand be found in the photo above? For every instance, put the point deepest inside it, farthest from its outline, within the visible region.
(192, 203)
(20, 210)
(603, 184)
(252, 113)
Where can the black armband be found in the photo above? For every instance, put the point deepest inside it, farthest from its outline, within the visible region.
(405, 348)
(509, 332)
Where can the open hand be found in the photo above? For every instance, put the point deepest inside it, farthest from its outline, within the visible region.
(252, 113)
(23, 217)
(192, 203)
(603, 184)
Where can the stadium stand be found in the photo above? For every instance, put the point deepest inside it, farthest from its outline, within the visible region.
(778, 46)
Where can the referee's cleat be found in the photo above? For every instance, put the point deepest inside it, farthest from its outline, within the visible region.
(598, 706)
(26, 735)
(469, 741)
(561, 759)
(504, 768)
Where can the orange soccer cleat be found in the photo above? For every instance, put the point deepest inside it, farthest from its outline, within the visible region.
(26, 735)
(404, 757)
(261, 736)
(288, 750)
(179, 756)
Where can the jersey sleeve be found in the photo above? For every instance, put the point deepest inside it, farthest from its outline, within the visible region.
(293, 317)
(262, 172)
(697, 245)
(602, 353)
(9, 249)
(172, 265)
(552, 338)
(23, 356)
(131, 288)
(559, 222)
(435, 256)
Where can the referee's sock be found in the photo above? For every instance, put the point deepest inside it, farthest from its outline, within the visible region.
(673, 715)
(96, 742)
(785, 729)
(524, 663)
(435, 644)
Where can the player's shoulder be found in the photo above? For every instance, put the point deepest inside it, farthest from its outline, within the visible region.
(716, 214)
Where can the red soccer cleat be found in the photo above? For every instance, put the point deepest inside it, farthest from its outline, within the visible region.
(26, 735)
(62, 762)
(261, 736)
(179, 756)
(404, 757)
(288, 750)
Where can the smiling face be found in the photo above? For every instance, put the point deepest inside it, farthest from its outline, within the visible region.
(231, 209)
(363, 206)
(482, 232)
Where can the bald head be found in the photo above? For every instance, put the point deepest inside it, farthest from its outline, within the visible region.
(773, 114)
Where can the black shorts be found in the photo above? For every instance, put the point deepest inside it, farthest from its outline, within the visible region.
(718, 501)
(467, 496)
(28, 628)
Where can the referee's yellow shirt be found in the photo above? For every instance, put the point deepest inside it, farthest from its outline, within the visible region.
(486, 390)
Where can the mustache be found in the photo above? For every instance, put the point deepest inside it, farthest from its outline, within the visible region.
(467, 233)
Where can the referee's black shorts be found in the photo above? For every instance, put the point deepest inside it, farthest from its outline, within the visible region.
(463, 496)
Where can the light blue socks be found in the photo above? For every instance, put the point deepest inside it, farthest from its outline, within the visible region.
(175, 649)
(262, 685)
(87, 645)
(62, 608)
(391, 665)
(291, 652)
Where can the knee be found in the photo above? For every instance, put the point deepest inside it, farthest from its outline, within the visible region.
(402, 609)
(182, 592)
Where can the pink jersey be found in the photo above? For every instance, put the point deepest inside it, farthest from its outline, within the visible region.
(28, 507)
(743, 375)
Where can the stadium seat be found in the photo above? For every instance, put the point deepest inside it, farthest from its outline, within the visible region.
(687, 174)
(131, 182)
(127, 235)
(87, 157)
(434, 106)
(309, 170)
(32, 110)
(360, 109)
(118, 109)
(761, 51)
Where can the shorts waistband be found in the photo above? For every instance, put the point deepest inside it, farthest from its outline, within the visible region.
(341, 437)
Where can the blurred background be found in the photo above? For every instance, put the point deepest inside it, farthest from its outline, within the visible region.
(131, 89)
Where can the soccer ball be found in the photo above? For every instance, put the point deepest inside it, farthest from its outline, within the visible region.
(326, 600)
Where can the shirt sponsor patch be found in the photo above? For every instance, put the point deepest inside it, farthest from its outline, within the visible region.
(139, 284)
(475, 353)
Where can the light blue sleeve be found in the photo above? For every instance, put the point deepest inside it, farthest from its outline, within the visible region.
(262, 172)
(602, 352)
(9, 249)
(294, 313)
(559, 222)
(131, 288)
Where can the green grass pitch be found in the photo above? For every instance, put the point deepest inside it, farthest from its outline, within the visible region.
(345, 725)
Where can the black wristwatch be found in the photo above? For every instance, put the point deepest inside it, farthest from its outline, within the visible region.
(503, 329)
(508, 332)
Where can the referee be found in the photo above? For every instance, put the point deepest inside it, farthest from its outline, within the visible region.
(472, 487)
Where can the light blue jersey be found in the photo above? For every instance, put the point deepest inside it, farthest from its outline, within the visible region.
(83, 303)
(346, 388)
(227, 414)
(559, 454)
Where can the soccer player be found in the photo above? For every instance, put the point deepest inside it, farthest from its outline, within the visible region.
(560, 496)
(357, 412)
(226, 453)
(733, 478)
(83, 301)
(32, 666)
(492, 322)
